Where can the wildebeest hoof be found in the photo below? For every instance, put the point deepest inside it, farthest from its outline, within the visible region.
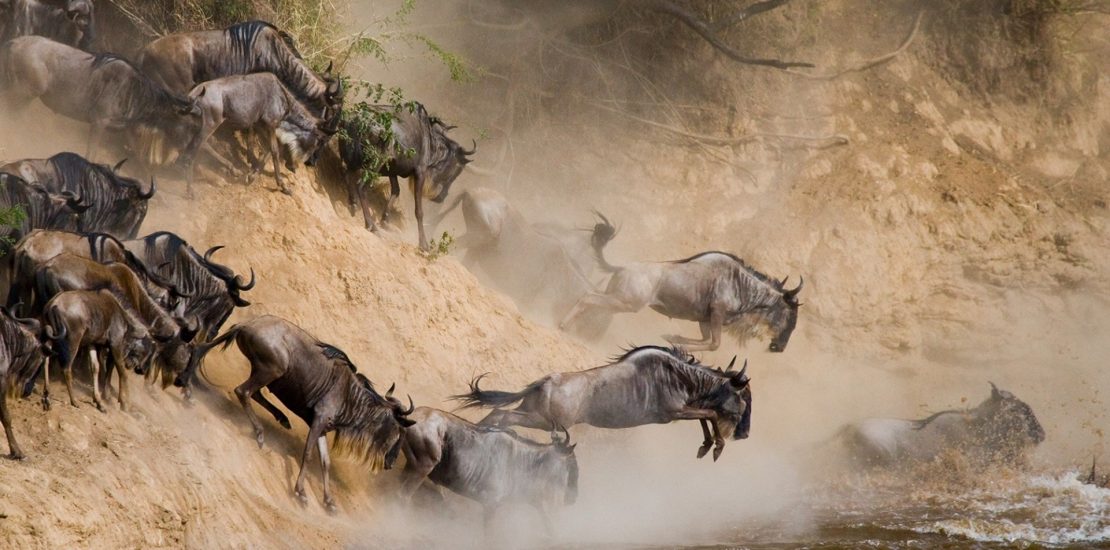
(330, 507)
(287, 191)
(258, 438)
(45, 404)
(15, 456)
(704, 449)
(301, 497)
(101, 408)
(717, 452)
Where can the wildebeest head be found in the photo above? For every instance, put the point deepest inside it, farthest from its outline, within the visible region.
(323, 133)
(733, 402)
(450, 165)
(782, 318)
(1008, 423)
(139, 354)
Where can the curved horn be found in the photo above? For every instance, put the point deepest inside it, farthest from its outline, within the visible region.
(331, 64)
(782, 282)
(794, 292)
(119, 165)
(473, 148)
(239, 281)
(744, 369)
(733, 364)
(412, 407)
(150, 191)
(389, 392)
(208, 253)
(994, 390)
(566, 435)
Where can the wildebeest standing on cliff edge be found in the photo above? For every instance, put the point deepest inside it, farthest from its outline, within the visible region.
(999, 429)
(67, 21)
(491, 465)
(716, 289)
(647, 385)
(117, 204)
(21, 356)
(415, 146)
(318, 382)
(104, 90)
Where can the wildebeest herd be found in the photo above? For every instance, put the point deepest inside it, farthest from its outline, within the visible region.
(85, 293)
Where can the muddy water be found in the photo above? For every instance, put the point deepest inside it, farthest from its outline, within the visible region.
(1014, 510)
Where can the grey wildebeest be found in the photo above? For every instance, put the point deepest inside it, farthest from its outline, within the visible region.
(646, 385)
(81, 320)
(1001, 428)
(117, 204)
(104, 90)
(541, 266)
(320, 384)
(67, 21)
(212, 290)
(21, 356)
(181, 61)
(414, 146)
(493, 466)
(716, 289)
(259, 103)
(43, 209)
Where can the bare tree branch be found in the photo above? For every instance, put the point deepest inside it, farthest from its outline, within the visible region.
(750, 11)
(699, 26)
(874, 61)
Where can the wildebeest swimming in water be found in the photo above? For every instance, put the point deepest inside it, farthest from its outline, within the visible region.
(117, 204)
(415, 146)
(259, 103)
(540, 266)
(104, 90)
(320, 384)
(21, 356)
(999, 429)
(647, 385)
(716, 289)
(493, 466)
(67, 21)
(181, 61)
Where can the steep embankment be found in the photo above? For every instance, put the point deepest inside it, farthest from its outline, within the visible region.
(166, 474)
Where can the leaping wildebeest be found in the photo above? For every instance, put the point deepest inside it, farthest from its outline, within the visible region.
(117, 204)
(716, 289)
(1000, 429)
(646, 385)
(259, 103)
(415, 146)
(493, 466)
(104, 90)
(181, 61)
(67, 21)
(21, 356)
(320, 384)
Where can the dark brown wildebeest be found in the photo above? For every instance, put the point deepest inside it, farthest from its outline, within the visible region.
(260, 103)
(491, 465)
(104, 90)
(716, 289)
(117, 204)
(181, 61)
(82, 320)
(45, 210)
(647, 385)
(542, 267)
(415, 146)
(1000, 429)
(67, 21)
(21, 356)
(317, 382)
(213, 290)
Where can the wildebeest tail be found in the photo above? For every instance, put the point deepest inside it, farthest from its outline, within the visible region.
(478, 397)
(603, 232)
(201, 350)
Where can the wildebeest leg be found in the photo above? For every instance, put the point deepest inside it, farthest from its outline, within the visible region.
(394, 192)
(359, 189)
(676, 339)
(67, 375)
(418, 196)
(46, 382)
(257, 164)
(121, 372)
(94, 364)
(14, 452)
(316, 431)
(545, 517)
(710, 342)
(708, 441)
(275, 149)
(325, 464)
(527, 419)
(720, 447)
(278, 415)
(259, 378)
(596, 300)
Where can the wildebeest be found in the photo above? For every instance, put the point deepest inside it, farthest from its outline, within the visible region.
(646, 385)
(415, 146)
(213, 290)
(104, 90)
(716, 289)
(43, 209)
(67, 21)
(541, 266)
(80, 320)
(493, 466)
(21, 356)
(260, 103)
(117, 204)
(320, 384)
(999, 429)
(181, 61)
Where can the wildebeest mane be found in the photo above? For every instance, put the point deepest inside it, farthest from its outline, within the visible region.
(374, 430)
(700, 381)
(777, 285)
(141, 96)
